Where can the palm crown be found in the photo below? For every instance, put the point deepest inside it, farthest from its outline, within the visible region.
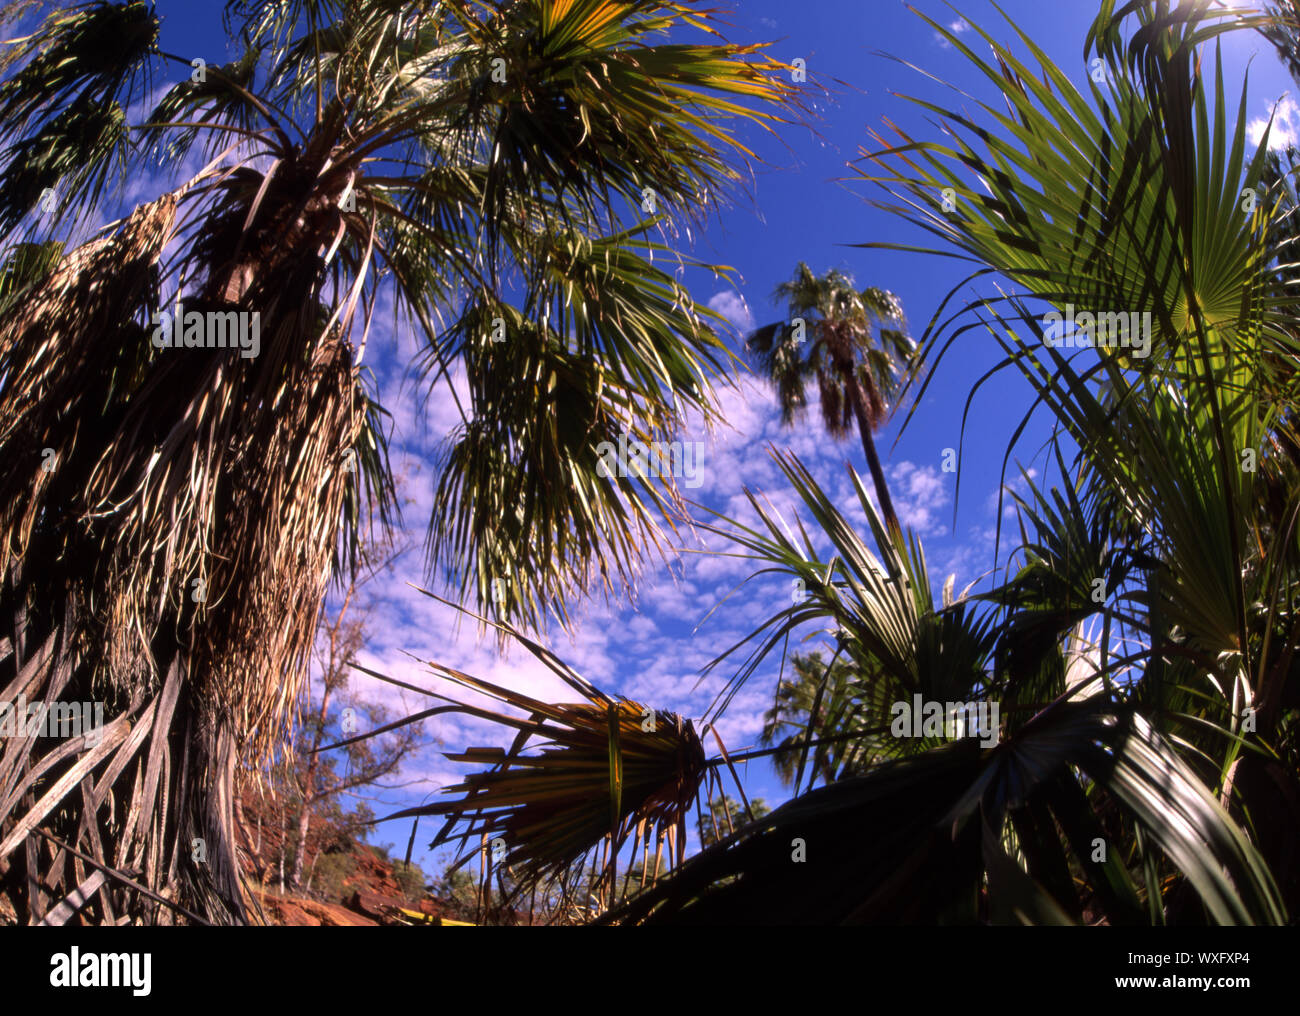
(852, 344)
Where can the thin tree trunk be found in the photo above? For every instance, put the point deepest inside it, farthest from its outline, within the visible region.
(304, 820)
(308, 786)
(859, 403)
(284, 840)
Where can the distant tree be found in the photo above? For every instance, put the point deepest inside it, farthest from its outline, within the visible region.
(368, 761)
(1284, 33)
(790, 723)
(722, 808)
(458, 888)
(854, 344)
(330, 871)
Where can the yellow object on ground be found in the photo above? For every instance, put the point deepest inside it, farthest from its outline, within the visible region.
(422, 918)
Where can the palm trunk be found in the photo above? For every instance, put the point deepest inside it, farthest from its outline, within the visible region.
(859, 403)
(216, 790)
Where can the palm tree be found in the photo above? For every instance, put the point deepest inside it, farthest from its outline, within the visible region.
(854, 344)
(170, 517)
(815, 704)
(726, 815)
(581, 786)
(1181, 496)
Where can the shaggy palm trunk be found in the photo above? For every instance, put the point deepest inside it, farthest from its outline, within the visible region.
(859, 402)
(97, 555)
(216, 775)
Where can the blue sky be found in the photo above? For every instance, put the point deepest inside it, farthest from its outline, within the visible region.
(802, 205)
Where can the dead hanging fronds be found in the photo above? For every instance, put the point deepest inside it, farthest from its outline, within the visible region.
(64, 325)
(199, 505)
(545, 807)
(155, 511)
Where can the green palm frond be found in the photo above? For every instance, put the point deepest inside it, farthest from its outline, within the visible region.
(521, 491)
(62, 114)
(1136, 194)
(877, 607)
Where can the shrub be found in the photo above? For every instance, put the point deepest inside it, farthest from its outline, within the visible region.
(411, 878)
(332, 869)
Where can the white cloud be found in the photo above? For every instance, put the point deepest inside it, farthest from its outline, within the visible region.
(731, 305)
(919, 492)
(1286, 125)
(956, 27)
(1017, 485)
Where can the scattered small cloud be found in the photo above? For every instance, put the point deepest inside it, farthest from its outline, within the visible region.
(731, 305)
(1017, 485)
(920, 494)
(956, 27)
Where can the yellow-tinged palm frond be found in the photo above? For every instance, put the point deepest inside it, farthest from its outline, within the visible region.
(547, 806)
(578, 781)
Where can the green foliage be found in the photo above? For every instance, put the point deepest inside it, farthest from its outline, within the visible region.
(820, 707)
(411, 878)
(727, 815)
(460, 889)
(332, 870)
